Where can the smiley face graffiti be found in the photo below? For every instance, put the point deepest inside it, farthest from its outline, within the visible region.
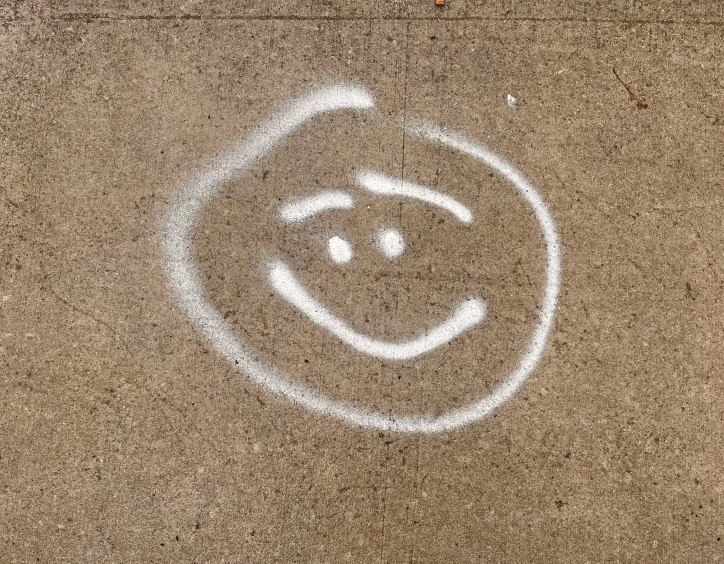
(470, 311)
(466, 315)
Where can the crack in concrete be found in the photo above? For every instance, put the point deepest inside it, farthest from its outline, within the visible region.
(92, 17)
(81, 311)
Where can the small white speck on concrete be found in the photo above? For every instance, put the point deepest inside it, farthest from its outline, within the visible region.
(512, 101)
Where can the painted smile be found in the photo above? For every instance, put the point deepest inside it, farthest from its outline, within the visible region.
(465, 316)
(469, 313)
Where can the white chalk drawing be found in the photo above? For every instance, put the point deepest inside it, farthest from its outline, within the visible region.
(340, 250)
(390, 242)
(187, 288)
(305, 208)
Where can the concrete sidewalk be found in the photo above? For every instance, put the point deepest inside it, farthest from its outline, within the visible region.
(146, 417)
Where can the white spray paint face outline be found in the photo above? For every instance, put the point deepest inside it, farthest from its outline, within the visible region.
(186, 286)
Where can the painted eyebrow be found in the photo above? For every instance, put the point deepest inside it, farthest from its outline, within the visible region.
(304, 208)
(379, 183)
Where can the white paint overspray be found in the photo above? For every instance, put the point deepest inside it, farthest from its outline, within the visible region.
(465, 316)
(186, 286)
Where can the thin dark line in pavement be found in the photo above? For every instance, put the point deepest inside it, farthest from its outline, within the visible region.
(418, 487)
(404, 125)
(90, 17)
(404, 96)
(85, 313)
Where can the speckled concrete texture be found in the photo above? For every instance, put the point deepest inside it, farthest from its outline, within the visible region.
(125, 436)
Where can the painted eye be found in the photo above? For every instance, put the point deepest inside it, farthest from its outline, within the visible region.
(390, 242)
(339, 250)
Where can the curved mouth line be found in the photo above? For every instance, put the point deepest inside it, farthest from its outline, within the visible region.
(469, 313)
